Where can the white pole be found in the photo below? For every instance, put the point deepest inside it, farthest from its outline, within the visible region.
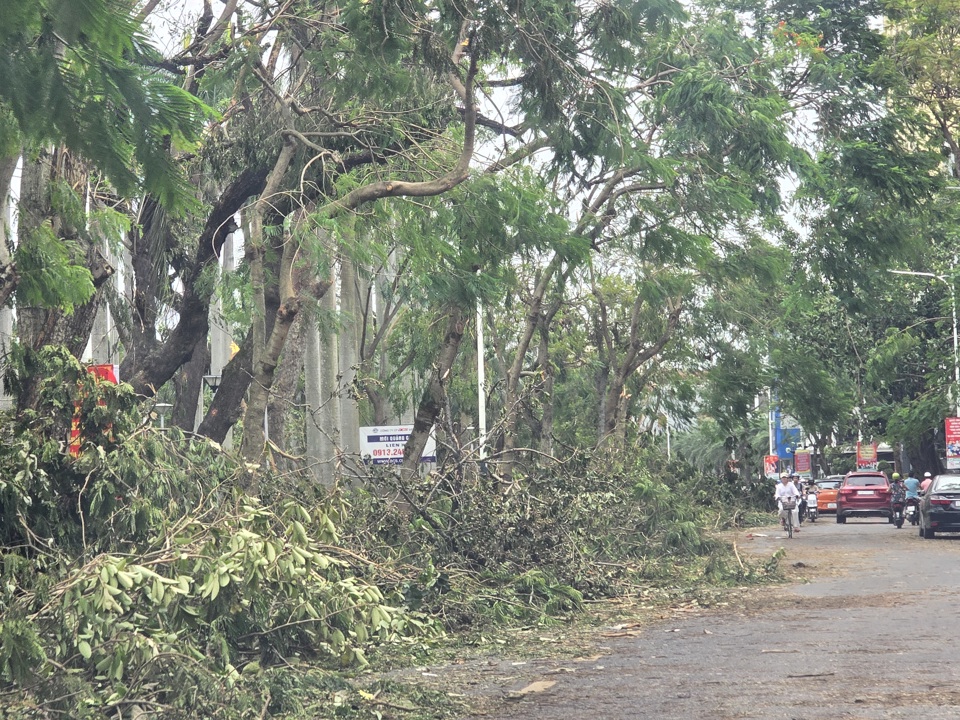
(770, 421)
(481, 386)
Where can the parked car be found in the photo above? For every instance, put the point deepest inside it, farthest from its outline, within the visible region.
(863, 493)
(940, 506)
(827, 493)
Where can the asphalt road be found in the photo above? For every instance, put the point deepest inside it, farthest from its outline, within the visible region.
(868, 631)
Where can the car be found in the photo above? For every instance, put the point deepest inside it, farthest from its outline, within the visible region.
(827, 493)
(863, 493)
(940, 506)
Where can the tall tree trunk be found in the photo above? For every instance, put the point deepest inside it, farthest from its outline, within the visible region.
(545, 440)
(293, 283)
(40, 326)
(189, 389)
(266, 352)
(511, 400)
(330, 408)
(320, 382)
(435, 394)
(349, 362)
(149, 364)
(376, 361)
(103, 332)
(8, 275)
(33, 211)
(254, 437)
(227, 404)
(283, 397)
(635, 355)
(221, 341)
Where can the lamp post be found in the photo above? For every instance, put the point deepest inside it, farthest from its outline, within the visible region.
(162, 410)
(956, 348)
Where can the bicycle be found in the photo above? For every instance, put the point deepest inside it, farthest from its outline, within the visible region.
(787, 506)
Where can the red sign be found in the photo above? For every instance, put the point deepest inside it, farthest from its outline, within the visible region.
(801, 462)
(866, 455)
(103, 373)
(953, 442)
(771, 464)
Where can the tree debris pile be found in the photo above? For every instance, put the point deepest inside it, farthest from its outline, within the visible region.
(141, 573)
(145, 565)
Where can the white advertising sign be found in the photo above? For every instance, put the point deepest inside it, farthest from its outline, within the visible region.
(383, 444)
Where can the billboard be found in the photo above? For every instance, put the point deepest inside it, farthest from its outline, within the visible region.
(787, 433)
(866, 456)
(771, 467)
(383, 444)
(953, 443)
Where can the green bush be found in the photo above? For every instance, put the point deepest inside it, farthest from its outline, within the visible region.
(142, 568)
(532, 550)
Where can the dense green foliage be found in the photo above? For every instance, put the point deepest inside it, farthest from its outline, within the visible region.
(138, 568)
(81, 72)
(662, 216)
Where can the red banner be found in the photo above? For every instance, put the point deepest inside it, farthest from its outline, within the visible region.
(866, 455)
(953, 442)
(106, 373)
(771, 466)
(801, 462)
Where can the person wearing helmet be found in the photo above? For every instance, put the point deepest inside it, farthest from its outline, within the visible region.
(927, 479)
(898, 498)
(786, 489)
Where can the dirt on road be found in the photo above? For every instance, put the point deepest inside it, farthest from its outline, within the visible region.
(866, 631)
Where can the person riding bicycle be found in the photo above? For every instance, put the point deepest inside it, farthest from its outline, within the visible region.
(787, 489)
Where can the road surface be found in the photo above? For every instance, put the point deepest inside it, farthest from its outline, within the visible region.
(871, 633)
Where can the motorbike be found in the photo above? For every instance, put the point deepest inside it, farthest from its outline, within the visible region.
(897, 515)
(812, 513)
(911, 510)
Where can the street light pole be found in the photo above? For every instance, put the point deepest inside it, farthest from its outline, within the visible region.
(956, 345)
